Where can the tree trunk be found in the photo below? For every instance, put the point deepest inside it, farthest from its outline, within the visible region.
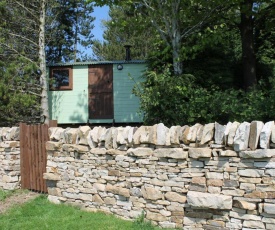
(176, 46)
(42, 59)
(247, 36)
(175, 36)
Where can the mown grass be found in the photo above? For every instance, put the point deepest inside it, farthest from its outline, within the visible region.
(40, 214)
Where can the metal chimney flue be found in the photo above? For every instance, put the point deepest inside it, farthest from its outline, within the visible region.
(128, 52)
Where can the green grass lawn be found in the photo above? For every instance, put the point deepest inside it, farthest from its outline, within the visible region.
(40, 214)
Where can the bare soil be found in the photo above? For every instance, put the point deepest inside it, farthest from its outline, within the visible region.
(17, 199)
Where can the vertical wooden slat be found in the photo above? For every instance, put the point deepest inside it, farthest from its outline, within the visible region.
(43, 158)
(44, 140)
(27, 167)
(35, 144)
(38, 159)
(30, 155)
(32, 147)
(22, 150)
(36, 156)
(33, 155)
(39, 147)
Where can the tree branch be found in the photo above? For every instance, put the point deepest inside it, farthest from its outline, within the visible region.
(24, 38)
(18, 53)
(32, 12)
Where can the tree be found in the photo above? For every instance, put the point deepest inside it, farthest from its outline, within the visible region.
(22, 46)
(42, 63)
(247, 16)
(174, 20)
(69, 27)
(124, 27)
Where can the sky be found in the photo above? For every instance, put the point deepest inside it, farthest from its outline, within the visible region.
(100, 13)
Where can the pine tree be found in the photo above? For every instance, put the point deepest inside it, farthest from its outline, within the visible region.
(69, 28)
(125, 27)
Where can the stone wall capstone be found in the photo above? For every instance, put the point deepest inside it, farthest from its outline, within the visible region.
(200, 177)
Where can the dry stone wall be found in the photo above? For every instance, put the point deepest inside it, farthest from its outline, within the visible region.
(199, 177)
(9, 158)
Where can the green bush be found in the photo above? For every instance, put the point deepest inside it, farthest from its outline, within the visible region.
(177, 100)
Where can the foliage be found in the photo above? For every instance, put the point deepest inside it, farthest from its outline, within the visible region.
(19, 93)
(41, 214)
(20, 87)
(125, 26)
(69, 25)
(180, 101)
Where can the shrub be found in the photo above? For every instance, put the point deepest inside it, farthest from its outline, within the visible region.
(177, 100)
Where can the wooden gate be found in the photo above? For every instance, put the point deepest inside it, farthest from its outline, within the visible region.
(33, 156)
(101, 92)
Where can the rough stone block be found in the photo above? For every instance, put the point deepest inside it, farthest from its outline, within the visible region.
(151, 193)
(155, 216)
(192, 134)
(199, 152)
(228, 153)
(70, 135)
(253, 224)
(206, 200)
(244, 205)
(244, 216)
(109, 138)
(52, 146)
(173, 196)
(208, 133)
(259, 153)
(140, 152)
(219, 133)
(175, 134)
(176, 153)
(251, 172)
(51, 176)
(10, 144)
(267, 165)
(214, 175)
(242, 137)
(269, 208)
(118, 190)
(265, 134)
(144, 135)
(232, 132)
(83, 135)
(101, 151)
(255, 130)
(159, 135)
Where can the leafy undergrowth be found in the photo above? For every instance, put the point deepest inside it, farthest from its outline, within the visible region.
(41, 214)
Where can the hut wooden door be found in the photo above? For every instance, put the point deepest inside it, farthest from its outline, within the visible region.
(101, 104)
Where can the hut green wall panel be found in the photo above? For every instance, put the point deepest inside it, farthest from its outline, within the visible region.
(71, 106)
(126, 104)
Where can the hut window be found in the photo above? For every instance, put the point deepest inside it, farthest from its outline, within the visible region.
(61, 78)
